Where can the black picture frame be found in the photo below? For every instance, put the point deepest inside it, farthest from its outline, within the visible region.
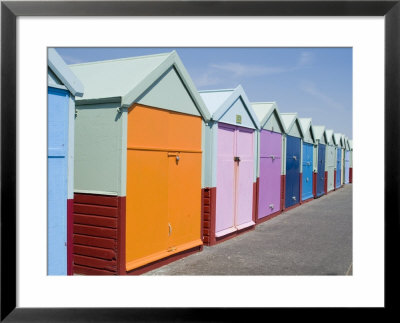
(10, 10)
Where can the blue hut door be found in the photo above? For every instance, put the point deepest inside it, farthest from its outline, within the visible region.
(338, 167)
(321, 170)
(292, 195)
(307, 179)
(57, 186)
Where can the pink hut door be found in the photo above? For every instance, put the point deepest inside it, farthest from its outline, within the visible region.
(244, 177)
(270, 173)
(225, 199)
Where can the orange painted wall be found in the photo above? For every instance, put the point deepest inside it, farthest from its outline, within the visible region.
(163, 195)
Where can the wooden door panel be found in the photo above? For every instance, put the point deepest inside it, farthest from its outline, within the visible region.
(184, 199)
(245, 168)
(146, 205)
(225, 210)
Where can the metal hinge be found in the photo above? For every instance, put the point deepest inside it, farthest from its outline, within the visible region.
(176, 155)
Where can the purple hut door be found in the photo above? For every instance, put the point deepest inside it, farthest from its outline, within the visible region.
(244, 176)
(270, 173)
(225, 200)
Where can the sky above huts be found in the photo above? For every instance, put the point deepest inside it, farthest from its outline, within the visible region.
(314, 82)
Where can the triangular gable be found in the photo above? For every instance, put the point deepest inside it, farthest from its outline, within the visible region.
(320, 134)
(159, 95)
(347, 143)
(329, 137)
(324, 138)
(342, 143)
(172, 61)
(308, 134)
(293, 127)
(269, 116)
(235, 109)
(61, 74)
(336, 139)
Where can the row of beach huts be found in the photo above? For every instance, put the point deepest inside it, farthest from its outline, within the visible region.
(143, 169)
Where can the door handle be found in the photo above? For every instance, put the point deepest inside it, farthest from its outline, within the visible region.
(236, 158)
(295, 157)
(169, 229)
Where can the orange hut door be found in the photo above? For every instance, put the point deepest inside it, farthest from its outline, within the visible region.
(163, 190)
(184, 201)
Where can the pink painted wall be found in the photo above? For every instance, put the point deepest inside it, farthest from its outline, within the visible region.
(234, 201)
(270, 173)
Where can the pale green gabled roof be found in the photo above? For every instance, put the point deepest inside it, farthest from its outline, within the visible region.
(306, 123)
(264, 110)
(289, 119)
(337, 137)
(346, 143)
(219, 101)
(64, 73)
(125, 80)
(343, 141)
(319, 131)
(329, 136)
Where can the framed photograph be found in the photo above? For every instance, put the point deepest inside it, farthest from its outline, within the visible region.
(370, 28)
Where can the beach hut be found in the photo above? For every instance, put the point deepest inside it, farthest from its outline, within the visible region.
(269, 161)
(230, 158)
(343, 166)
(62, 88)
(307, 160)
(347, 161)
(330, 162)
(351, 161)
(292, 159)
(138, 165)
(337, 138)
(319, 158)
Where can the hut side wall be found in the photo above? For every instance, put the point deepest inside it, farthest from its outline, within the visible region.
(99, 149)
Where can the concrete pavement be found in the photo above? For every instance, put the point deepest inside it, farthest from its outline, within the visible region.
(312, 239)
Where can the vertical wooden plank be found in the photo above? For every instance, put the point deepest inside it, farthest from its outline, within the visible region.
(58, 103)
(225, 178)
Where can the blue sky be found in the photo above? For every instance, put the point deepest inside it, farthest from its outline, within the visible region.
(314, 82)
